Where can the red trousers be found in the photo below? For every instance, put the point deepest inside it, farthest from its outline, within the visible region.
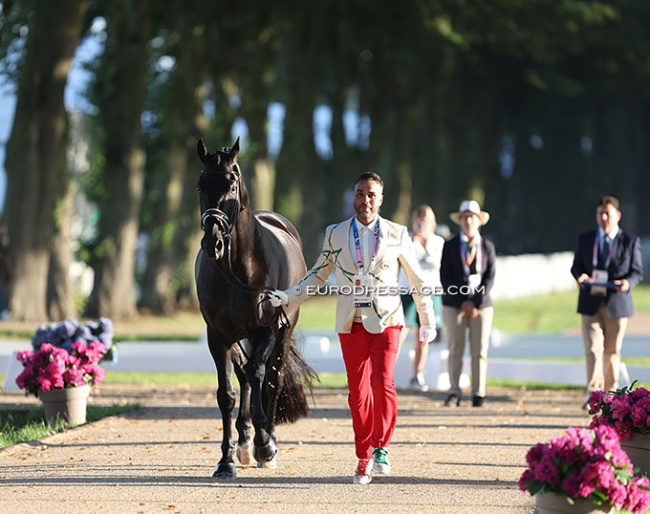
(370, 365)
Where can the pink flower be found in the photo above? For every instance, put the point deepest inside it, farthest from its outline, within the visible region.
(627, 410)
(586, 464)
(55, 368)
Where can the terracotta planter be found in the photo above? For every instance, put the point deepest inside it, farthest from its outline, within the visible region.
(551, 503)
(68, 404)
(638, 450)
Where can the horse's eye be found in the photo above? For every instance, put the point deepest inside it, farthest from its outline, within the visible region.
(233, 189)
(198, 189)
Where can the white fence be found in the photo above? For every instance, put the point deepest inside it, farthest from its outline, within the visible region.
(518, 276)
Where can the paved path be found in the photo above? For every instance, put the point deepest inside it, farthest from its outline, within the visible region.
(160, 458)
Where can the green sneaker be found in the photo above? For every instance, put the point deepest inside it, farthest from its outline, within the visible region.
(381, 464)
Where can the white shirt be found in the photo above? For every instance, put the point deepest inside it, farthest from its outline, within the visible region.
(429, 257)
(368, 243)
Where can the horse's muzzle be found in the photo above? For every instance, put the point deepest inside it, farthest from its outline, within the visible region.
(219, 248)
(213, 244)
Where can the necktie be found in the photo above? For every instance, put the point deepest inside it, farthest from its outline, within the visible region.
(605, 253)
(471, 251)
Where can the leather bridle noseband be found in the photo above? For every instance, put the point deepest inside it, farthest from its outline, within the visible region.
(224, 221)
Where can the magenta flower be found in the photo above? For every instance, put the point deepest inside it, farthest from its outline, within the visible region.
(626, 410)
(56, 368)
(586, 464)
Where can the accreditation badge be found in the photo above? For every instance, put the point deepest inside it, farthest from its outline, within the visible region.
(599, 276)
(361, 292)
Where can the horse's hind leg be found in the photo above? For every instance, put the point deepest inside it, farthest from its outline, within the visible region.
(243, 422)
(226, 401)
(265, 447)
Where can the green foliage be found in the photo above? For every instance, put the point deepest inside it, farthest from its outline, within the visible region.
(14, 23)
(443, 83)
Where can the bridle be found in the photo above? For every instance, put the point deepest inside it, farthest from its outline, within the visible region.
(224, 221)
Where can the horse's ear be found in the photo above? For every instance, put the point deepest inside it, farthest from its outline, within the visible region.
(234, 151)
(202, 150)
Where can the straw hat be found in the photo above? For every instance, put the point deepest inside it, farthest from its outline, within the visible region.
(470, 206)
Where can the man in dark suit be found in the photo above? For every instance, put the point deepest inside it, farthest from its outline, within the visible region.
(607, 265)
(467, 271)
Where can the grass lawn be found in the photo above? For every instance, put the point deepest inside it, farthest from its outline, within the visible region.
(20, 425)
(549, 314)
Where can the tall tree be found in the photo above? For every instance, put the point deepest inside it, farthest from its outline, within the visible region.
(119, 91)
(37, 178)
(173, 170)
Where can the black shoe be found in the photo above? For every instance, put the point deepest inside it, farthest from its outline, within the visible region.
(453, 400)
(477, 401)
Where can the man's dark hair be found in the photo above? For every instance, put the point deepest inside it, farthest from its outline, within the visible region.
(369, 175)
(606, 200)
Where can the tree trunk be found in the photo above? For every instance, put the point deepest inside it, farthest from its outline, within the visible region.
(165, 270)
(120, 88)
(60, 298)
(36, 152)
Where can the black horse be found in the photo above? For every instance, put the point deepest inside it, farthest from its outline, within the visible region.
(243, 255)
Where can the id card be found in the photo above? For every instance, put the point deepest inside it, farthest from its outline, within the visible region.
(474, 282)
(599, 275)
(362, 285)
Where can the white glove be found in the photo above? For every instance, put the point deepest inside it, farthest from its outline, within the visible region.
(427, 333)
(277, 298)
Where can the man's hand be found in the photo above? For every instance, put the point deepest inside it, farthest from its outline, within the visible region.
(427, 334)
(584, 280)
(469, 309)
(623, 285)
(277, 298)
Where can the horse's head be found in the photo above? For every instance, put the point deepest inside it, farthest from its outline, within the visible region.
(220, 191)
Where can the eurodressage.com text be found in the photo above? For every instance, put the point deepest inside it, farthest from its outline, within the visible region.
(366, 291)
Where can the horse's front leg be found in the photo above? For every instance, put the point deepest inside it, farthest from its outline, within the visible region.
(221, 355)
(243, 421)
(261, 348)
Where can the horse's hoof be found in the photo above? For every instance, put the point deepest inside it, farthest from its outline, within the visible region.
(269, 464)
(225, 471)
(245, 454)
(264, 454)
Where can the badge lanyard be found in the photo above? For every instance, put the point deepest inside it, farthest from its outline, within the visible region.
(594, 255)
(357, 245)
(478, 257)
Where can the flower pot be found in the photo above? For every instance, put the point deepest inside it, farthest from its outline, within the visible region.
(551, 503)
(68, 404)
(638, 450)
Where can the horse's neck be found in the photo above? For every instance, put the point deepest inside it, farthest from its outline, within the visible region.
(243, 236)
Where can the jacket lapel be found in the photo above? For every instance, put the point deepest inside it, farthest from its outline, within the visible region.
(342, 241)
(384, 234)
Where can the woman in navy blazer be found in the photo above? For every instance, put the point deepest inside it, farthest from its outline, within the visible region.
(607, 264)
(467, 270)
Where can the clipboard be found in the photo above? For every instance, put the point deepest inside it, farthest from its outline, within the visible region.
(609, 285)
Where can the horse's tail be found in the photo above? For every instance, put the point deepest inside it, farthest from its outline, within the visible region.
(297, 385)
